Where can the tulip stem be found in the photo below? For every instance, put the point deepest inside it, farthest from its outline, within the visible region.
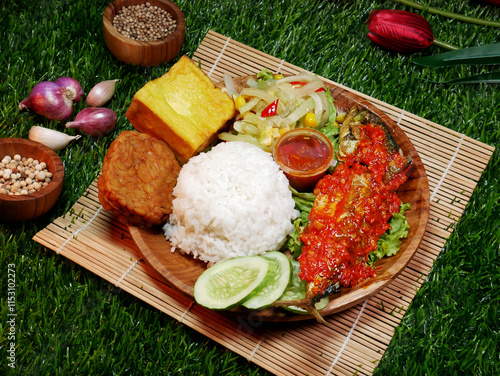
(446, 45)
(457, 16)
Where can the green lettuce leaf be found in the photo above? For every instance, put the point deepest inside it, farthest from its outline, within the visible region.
(388, 243)
(303, 203)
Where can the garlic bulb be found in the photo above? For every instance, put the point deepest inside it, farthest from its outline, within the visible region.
(53, 139)
(101, 93)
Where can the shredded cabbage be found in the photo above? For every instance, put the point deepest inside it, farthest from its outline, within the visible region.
(297, 96)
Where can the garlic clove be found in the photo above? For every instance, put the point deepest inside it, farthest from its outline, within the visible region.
(53, 139)
(101, 93)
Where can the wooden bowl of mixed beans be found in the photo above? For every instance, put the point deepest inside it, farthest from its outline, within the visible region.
(31, 179)
(144, 32)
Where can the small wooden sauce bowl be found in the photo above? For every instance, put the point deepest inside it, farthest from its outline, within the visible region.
(25, 207)
(150, 53)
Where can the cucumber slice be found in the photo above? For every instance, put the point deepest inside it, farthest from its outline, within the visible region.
(276, 286)
(296, 290)
(232, 282)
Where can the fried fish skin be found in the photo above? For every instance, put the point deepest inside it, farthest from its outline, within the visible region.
(138, 176)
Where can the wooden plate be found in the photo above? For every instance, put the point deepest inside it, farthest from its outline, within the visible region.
(182, 271)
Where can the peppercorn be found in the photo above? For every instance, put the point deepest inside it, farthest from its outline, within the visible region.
(144, 22)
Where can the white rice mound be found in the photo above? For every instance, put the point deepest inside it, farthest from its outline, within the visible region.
(228, 202)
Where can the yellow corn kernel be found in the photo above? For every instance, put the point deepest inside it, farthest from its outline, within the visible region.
(239, 102)
(340, 117)
(310, 120)
(284, 130)
(278, 76)
(275, 133)
(266, 138)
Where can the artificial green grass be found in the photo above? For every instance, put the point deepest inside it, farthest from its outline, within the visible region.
(71, 322)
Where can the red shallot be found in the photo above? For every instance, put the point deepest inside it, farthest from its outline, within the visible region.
(101, 93)
(54, 100)
(95, 121)
(72, 85)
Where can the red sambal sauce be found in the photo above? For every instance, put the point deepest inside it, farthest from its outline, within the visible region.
(303, 152)
(351, 211)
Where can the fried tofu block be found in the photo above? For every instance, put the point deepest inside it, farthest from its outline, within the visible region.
(182, 108)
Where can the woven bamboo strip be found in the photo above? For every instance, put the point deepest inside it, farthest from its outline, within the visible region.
(356, 360)
(347, 369)
(430, 250)
(311, 359)
(156, 293)
(391, 318)
(144, 275)
(411, 284)
(230, 333)
(102, 235)
(353, 340)
(391, 302)
(363, 355)
(374, 307)
(399, 293)
(83, 257)
(402, 289)
(367, 346)
(424, 259)
(412, 273)
(439, 219)
(286, 365)
(174, 310)
(363, 364)
(429, 247)
(288, 354)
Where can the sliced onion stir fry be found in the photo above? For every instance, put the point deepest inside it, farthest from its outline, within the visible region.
(297, 96)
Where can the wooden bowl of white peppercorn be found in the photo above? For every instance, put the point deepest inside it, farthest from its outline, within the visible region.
(144, 32)
(38, 197)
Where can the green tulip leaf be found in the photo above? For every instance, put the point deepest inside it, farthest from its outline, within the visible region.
(486, 78)
(487, 54)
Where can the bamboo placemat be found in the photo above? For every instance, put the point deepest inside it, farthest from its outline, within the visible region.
(353, 340)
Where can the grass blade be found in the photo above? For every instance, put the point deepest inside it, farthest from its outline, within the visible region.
(486, 78)
(487, 54)
(460, 17)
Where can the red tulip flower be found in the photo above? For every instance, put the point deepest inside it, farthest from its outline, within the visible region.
(492, 2)
(399, 30)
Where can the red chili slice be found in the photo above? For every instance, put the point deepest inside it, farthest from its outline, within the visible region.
(271, 109)
(305, 83)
